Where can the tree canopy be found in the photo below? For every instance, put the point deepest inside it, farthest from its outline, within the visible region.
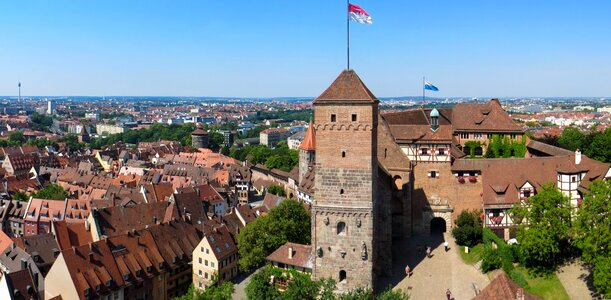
(51, 192)
(593, 233)
(280, 157)
(468, 230)
(300, 286)
(544, 222)
(288, 222)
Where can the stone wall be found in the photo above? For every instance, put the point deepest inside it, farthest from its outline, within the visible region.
(439, 192)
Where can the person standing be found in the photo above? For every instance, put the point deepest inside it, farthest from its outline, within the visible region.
(448, 294)
(446, 245)
(408, 271)
(428, 251)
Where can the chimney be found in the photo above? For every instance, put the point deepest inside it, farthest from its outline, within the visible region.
(290, 252)
(577, 157)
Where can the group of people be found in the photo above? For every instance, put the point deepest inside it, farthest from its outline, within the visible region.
(408, 270)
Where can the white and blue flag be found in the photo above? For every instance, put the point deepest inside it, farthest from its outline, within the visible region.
(430, 86)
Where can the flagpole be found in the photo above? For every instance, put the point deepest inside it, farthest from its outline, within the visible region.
(348, 33)
(423, 90)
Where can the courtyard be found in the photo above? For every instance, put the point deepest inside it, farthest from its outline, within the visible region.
(432, 277)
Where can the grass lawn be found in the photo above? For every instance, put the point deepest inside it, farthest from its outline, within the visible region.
(548, 287)
(474, 255)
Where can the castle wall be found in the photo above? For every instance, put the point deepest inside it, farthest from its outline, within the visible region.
(437, 192)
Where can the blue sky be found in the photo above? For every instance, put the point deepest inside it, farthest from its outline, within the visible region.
(296, 48)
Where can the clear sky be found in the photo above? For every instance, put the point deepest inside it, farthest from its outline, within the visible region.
(246, 48)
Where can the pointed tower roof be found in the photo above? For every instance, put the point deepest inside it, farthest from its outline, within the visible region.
(309, 142)
(347, 87)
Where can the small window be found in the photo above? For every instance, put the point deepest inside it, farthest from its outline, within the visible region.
(441, 151)
(343, 153)
(341, 228)
(464, 135)
(574, 178)
(433, 174)
(424, 151)
(206, 262)
(341, 192)
(200, 260)
(333, 118)
(353, 117)
(342, 276)
(200, 273)
(526, 194)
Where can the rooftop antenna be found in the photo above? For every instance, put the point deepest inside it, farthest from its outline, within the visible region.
(19, 87)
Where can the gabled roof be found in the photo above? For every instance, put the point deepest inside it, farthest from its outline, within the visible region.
(221, 243)
(309, 142)
(488, 117)
(347, 87)
(503, 288)
(301, 255)
(68, 235)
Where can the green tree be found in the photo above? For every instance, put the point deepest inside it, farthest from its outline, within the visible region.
(225, 151)
(600, 148)
(276, 190)
(496, 144)
(390, 294)
(213, 292)
(288, 222)
(260, 286)
(593, 232)
(572, 139)
(602, 276)
(468, 230)
(519, 148)
(51, 192)
(216, 139)
(21, 196)
(544, 223)
(16, 137)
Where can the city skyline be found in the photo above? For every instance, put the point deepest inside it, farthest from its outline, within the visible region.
(288, 49)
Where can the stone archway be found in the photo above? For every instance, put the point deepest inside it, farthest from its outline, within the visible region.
(438, 225)
(431, 216)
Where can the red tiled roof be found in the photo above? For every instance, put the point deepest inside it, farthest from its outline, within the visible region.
(483, 117)
(301, 255)
(347, 87)
(309, 142)
(503, 288)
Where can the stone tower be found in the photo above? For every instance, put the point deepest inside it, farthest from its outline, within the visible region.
(307, 152)
(345, 197)
(199, 138)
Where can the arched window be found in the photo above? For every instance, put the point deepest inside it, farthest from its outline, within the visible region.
(341, 228)
(342, 276)
(343, 153)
